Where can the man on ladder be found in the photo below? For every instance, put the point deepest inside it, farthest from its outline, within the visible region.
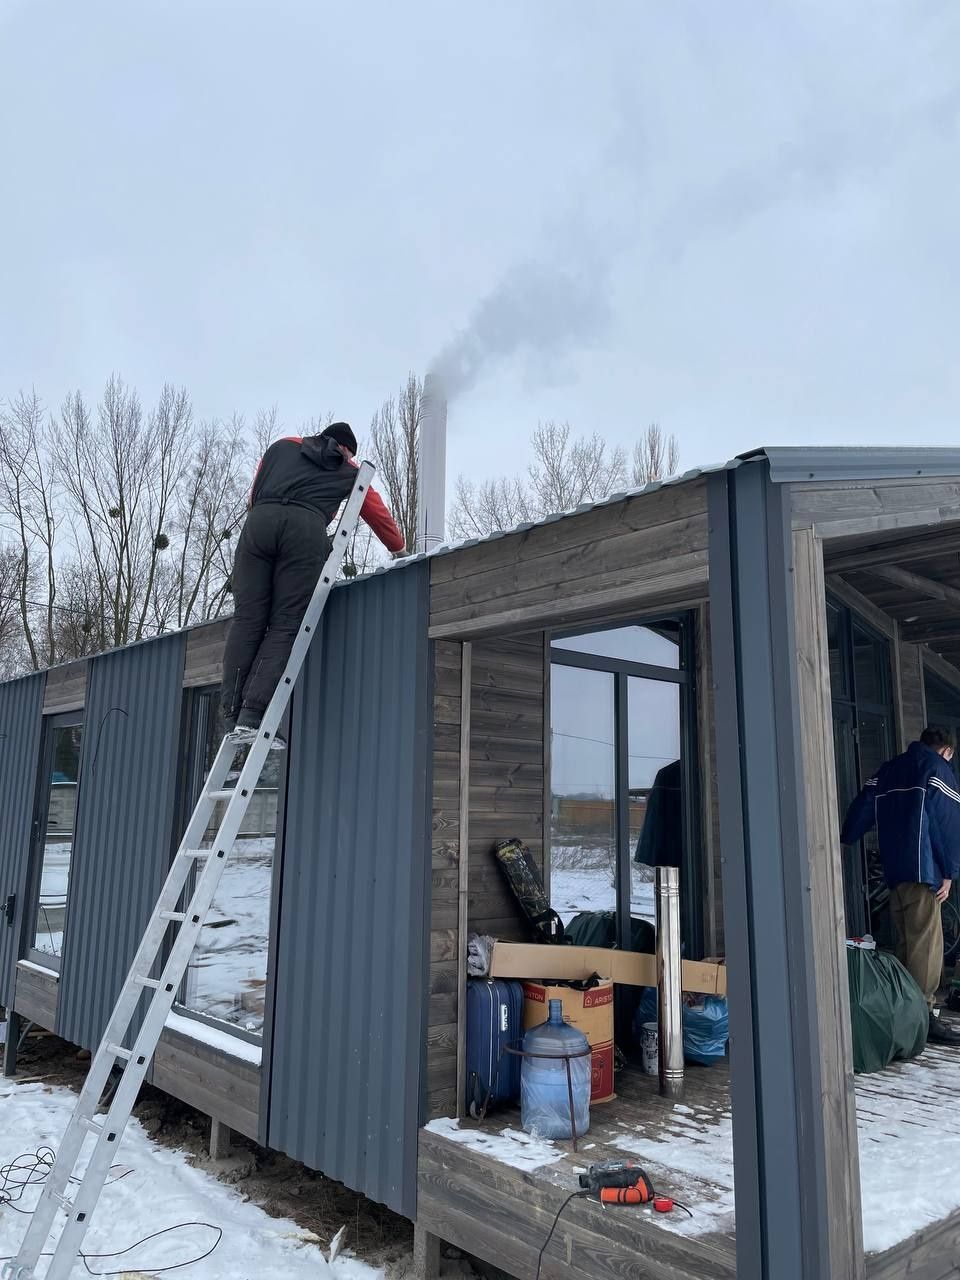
(298, 488)
(73, 1185)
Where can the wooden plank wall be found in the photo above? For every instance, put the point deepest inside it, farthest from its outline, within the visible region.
(222, 1086)
(445, 881)
(509, 723)
(204, 659)
(508, 719)
(848, 508)
(36, 995)
(827, 912)
(66, 688)
(607, 561)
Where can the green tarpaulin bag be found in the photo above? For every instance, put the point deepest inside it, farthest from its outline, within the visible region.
(887, 1008)
(599, 929)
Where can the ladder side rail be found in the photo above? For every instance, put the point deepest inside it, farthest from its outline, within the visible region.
(110, 1133)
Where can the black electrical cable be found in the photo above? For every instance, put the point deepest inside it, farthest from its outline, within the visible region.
(173, 1266)
(31, 1170)
(582, 1195)
(574, 1195)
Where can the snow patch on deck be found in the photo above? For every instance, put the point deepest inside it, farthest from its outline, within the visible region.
(509, 1146)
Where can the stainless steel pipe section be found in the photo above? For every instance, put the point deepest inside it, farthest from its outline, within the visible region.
(669, 986)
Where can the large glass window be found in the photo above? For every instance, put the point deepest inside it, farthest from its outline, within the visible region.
(56, 815)
(861, 687)
(583, 768)
(227, 975)
(622, 752)
(943, 708)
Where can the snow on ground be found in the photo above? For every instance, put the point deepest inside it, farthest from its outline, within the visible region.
(161, 1190)
(590, 889)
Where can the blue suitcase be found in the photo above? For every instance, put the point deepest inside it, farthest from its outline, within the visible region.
(494, 1023)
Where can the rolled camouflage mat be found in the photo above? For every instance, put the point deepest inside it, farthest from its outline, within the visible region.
(526, 883)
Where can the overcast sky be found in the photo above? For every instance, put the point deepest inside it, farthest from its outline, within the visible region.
(738, 219)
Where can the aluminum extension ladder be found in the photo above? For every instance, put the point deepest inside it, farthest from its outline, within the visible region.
(107, 1129)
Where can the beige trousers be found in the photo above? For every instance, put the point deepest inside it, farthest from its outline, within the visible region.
(916, 918)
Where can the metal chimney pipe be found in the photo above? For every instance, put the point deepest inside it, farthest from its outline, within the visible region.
(432, 460)
(669, 998)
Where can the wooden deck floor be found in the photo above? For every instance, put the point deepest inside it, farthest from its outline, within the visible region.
(478, 1191)
(469, 1194)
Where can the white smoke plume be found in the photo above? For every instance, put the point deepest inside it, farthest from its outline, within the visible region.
(538, 310)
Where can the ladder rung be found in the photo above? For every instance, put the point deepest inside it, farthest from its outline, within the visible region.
(194, 853)
(143, 981)
(92, 1126)
(220, 795)
(63, 1201)
(118, 1051)
(175, 917)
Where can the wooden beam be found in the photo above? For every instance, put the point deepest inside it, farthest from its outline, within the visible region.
(917, 582)
(827, 910)
(856, 600)
(686, 587)
(463, 884)
(924, 546)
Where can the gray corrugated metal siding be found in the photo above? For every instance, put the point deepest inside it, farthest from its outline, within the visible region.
(349, 988)
(125, 815)
(21, 702)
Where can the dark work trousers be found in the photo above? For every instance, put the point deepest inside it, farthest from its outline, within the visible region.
(280, 554)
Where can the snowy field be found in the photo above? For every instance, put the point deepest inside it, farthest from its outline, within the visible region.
(591, 889)
(154, 1188)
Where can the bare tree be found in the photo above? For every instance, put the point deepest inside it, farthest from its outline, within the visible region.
(395, 441)
(12, 640)
(28, 499)
(480, 508)
(654, 456)
(566, 471)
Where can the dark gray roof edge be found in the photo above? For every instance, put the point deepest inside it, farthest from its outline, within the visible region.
(796, 464)
(789, 464)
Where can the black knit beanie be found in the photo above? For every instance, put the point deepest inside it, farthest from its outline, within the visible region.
(340, 431)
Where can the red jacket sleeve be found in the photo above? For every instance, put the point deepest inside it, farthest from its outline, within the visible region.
(374, 511)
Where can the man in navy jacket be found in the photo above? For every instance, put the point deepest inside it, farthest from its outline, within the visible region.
(914, 803)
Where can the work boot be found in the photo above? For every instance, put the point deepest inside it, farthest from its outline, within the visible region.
(942, 1032)
(246, 726)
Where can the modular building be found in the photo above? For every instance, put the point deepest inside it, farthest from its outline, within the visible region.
(748, 643)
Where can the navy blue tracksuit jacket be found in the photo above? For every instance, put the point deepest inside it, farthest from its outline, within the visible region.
(914, 803)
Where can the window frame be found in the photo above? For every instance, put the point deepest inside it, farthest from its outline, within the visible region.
(846, 708)
(685, 676)
(38, 834)
(194, 714)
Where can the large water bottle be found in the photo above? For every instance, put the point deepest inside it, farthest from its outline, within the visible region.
(544, 1094)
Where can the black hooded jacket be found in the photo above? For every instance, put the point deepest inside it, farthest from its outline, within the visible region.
(311, 472)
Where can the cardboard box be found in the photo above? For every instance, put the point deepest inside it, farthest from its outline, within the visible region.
(590, 1012)
(544, 961)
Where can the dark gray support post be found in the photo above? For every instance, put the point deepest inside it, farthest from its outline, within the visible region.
(12, 1043)
(783, 1201)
